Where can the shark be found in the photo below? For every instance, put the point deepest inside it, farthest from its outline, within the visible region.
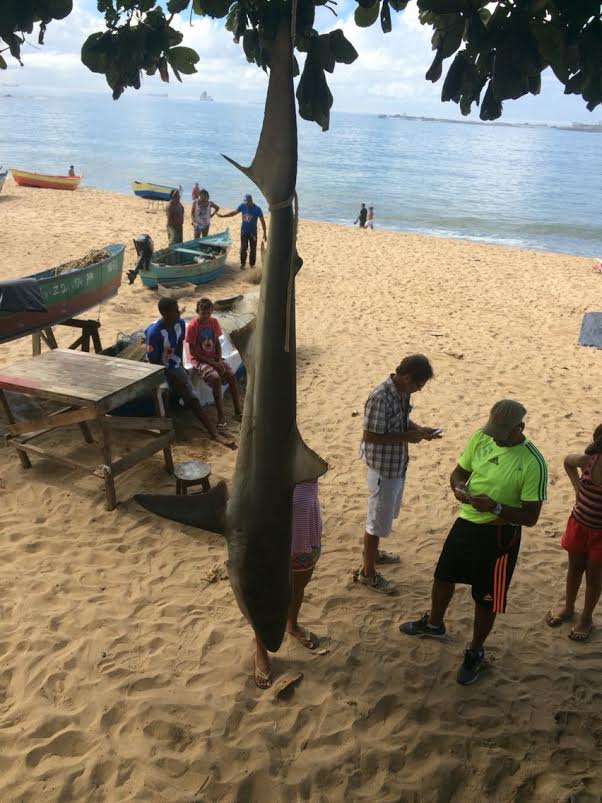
(255, 513)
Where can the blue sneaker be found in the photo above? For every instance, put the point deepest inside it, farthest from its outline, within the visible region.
(422, 628)
(471, 666)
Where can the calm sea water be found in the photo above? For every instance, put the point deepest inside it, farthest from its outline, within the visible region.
(533, 188)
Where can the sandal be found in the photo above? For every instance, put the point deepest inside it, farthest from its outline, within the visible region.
(552, 619)
(580, 635)
(263, 680)
(308, 639)
(222, 426)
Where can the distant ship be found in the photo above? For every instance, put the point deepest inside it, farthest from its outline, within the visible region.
(205, 96)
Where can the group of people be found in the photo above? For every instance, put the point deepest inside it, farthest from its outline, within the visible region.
(500, 481)
(164, 343)
(203, 209)
(365, 217)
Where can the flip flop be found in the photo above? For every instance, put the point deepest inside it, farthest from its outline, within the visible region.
(309, 639)
(553, 620)
(580, 635)
(221, 427)
(263, 680)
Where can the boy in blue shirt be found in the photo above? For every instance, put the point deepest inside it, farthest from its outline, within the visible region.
(164, 346)
(248, 229)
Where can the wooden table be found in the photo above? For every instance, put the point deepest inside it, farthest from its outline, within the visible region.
(90, 385)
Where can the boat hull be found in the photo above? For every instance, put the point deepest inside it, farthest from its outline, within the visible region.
(170, 266)
(152, 192)
(66, 295)
(25, 179)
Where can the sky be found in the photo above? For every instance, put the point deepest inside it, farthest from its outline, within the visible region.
(387, 78)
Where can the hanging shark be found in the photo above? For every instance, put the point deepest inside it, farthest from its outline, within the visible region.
(272, 457)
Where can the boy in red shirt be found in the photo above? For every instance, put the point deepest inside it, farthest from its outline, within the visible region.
(202, 335)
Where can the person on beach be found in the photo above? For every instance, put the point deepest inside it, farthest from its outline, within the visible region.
(72, 171)
(202, 335)
(384, 448)
(251, 213)
(370, 218)
(306, 545)
(501, 481)
(362, 217)
(582, 539)
(175, 218)
(164, 342)
(202, 211)
(196, 191)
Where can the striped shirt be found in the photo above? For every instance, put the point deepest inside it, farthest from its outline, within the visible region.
(307, 519)
(387, 412)
(588, 508)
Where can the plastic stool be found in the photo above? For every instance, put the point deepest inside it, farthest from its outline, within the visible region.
(193, 472)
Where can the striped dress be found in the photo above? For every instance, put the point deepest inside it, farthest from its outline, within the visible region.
(307, 521)
(588, 508)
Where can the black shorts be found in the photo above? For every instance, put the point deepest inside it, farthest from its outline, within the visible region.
(482, 556)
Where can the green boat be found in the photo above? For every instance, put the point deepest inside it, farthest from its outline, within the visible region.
(52, 296)
(194, 261)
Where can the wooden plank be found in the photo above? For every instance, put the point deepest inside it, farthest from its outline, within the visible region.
(66, 461)
(130, 422)
(60, 419)
(25, 461)
(160, 409)
(137, 455)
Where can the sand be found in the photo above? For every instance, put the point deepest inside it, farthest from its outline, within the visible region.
(125, 671)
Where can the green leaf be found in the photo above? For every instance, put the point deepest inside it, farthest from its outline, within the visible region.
(491, 108)
(3, 64)
(365, 17)
(398, 5)
(313, 94)
(183, 59)
(211, 8)
(385, 17)
(443, 6)
(177, 6)
(59, 9)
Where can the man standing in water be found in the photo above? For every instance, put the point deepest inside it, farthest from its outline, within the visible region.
(384, 448)
(251, 213)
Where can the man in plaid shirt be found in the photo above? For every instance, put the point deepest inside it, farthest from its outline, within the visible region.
(384, 448)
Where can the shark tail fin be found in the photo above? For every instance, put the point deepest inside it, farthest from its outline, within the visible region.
(243, 340)
(308, 465)
(207, 511)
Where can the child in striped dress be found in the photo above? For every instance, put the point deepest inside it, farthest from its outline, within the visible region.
(306, 545)
(582, 538)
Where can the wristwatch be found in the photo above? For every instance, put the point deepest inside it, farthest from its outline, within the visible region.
(497, 509)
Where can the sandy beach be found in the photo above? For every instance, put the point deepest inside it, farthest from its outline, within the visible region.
(125, 666)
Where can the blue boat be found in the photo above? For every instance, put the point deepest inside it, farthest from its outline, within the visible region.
(152, 192)
(193, 262)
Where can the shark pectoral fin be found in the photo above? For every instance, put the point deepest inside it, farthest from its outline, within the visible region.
(248, 171)
(207, 511)
(298, 263)
(243, 339)
(308, 465)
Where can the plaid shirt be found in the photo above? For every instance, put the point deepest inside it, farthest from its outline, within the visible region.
(387, 411)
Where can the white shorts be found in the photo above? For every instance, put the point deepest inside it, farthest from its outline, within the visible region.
(384, 502)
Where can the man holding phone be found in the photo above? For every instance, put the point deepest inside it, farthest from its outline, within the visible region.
(384, 448)
(501, 481)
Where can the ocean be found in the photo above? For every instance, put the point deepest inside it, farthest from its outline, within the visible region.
(519, 186)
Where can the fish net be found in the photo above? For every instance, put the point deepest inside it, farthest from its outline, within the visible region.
(91, 258)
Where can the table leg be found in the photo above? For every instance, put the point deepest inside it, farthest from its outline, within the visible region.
(86, 432)
(25, 461)
(105, 443)
(36, 344)
(109, 488)
(160, 409)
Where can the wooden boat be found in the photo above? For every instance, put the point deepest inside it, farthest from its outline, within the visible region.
(152, 192)
(194, 261)
(2, 177)
(54, 295)
(25, 179)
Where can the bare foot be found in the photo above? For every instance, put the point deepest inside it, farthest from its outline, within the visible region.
(304, 636)
(227, 442)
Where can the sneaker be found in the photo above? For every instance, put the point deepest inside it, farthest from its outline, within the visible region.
(471, 666)
(422, 628)
(382, 556)
(376, 583)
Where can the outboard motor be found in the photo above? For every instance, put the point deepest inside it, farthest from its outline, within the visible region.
(145, 248)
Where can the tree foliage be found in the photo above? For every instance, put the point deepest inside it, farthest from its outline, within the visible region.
(499, 49)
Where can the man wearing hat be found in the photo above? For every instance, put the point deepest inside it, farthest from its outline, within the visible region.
(501, 480)
(248, 229)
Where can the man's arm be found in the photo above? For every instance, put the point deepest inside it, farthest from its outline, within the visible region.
(229, 214)
(265, 234)
(572, 464)
(526, 515)
(458, 479)
(153, 351)
(410, 436)
(214, 208)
